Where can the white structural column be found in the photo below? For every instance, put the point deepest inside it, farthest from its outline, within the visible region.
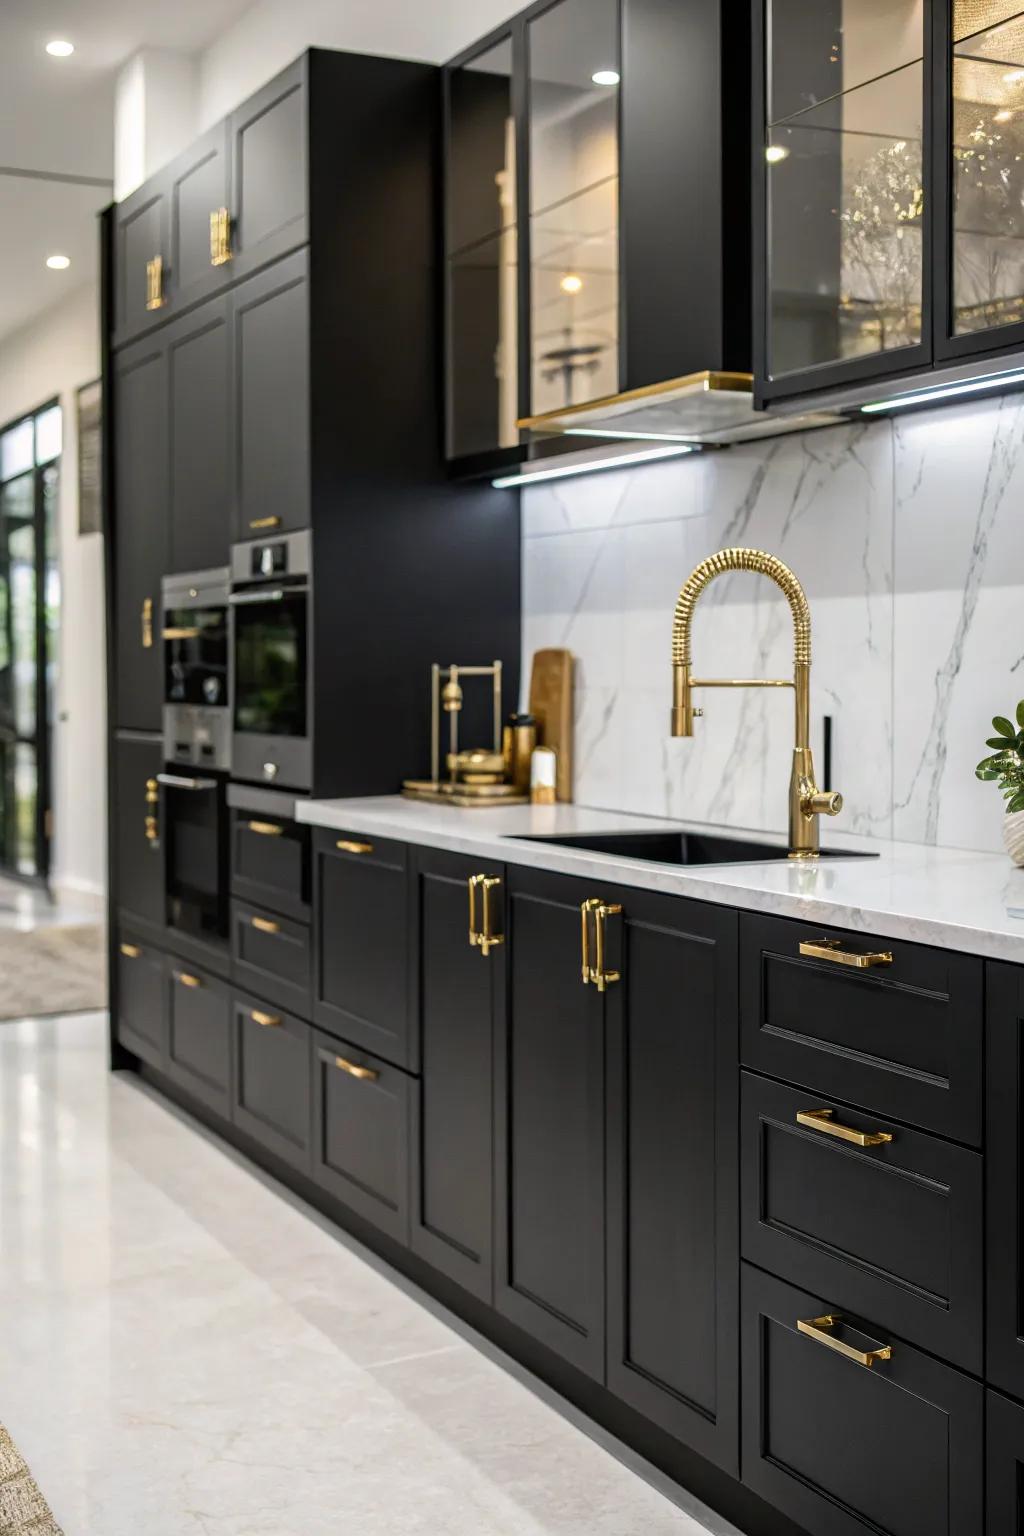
(154, 114)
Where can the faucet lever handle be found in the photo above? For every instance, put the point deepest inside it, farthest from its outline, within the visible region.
(822, 802)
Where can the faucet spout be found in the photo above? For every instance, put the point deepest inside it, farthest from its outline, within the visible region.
(806, 801)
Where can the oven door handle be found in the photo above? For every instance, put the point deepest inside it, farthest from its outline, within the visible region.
(275, 595)
(175, 781)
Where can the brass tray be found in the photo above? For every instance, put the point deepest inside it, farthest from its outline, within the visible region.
(466, 796)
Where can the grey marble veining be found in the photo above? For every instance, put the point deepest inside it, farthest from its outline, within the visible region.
(906, 535)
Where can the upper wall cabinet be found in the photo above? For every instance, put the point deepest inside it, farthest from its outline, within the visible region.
(235, 200)
(590, 248)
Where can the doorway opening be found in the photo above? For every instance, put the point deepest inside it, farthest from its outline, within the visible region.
(30, 450)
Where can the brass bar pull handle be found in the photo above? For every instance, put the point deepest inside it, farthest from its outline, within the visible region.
(473, 884)
(130, 951)
(186, 980)
(266, 1020)
(821, 1120)
(155, 283)
(603, 978)
(817, 1328)
(152, 823)
(364, 1074)
(191, 632)
(264, 925)
(586, 908)
(265, 522)
(265, 829)
(832, 949)
(489, 939)
(220, 237)
(147, 623)
(345, 845)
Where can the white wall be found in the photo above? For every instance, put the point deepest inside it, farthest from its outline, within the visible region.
(53, 356)
(271, 33)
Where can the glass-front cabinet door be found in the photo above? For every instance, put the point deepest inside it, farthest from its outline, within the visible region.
(573, 72)
(846, 218)
(981, 94)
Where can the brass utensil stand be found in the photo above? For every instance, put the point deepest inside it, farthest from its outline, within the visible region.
(472, 779)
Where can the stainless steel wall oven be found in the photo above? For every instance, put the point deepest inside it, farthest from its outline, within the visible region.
(270, 655)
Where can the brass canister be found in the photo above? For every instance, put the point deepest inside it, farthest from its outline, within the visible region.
(518, 741)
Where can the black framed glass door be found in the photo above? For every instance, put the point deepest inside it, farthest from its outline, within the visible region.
(29, 620)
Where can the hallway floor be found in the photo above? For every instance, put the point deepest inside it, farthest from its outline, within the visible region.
(186, 1348)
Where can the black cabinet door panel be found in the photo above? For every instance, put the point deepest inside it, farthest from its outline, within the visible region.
(199, 1035)
(269, 148)
(138, 829)
(361, 1133)
(271, 1096)
(141, 999)
(1003, 1164)
(141, 234)
(362, 984)
(198, 187)
(549, 1170)
(672, 1229)
(903, 1038)
(1004, 1457)
(842, 1448)
(271, 956)
(199, 426)
(891, 1231)
(271, 340)
(270, 862)
(461, 988)
(141, 544)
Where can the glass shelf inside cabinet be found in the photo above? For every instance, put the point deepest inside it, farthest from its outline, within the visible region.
(988, 166)
(482, 263)
(574, 212)
(845, 180)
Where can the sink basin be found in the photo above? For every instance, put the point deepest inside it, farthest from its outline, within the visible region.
(680, 847)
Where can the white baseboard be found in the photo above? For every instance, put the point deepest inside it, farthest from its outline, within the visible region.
(69, 890)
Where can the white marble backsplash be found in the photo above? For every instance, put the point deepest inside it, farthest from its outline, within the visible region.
(908, 536)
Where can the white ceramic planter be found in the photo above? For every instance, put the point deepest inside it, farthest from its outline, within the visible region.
(1013, 837)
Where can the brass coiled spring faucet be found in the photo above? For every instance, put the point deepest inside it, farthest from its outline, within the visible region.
(806, 801)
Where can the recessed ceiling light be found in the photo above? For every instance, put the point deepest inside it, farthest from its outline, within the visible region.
(59, 49)
(58, 263)
(571, 283)
(605, 77)
(776, 152)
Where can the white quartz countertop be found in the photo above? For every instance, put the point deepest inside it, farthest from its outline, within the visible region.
(949, 897)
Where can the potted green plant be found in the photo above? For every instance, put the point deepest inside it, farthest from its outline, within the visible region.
(1006, 767)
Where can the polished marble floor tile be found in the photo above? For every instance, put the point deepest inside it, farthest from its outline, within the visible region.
(186, 1348)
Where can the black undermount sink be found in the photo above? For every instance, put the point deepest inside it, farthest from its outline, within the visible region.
(680, 847)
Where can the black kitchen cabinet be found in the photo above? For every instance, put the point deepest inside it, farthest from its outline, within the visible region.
(550, 1126)
(141, 552)
(271, 401)
(199, 189)
(199, 1035)
(141, 998)
(272, 1064)
(894, 1447)
(141, 258)
(199, 396)
(363, 945)
(1004, 1459)
(270, 853)
(462, 982)
(1005, 1182)
(672, 1243)
(270, 162)
(361, 1108)
(138, 830)
(271, 956)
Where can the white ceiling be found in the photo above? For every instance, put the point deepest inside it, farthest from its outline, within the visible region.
(57, 122)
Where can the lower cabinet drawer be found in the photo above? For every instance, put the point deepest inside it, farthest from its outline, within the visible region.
(271, 957)
(844, 1448)
(199, 1035)
(141, 1000)
(271, 1098)
(361, 1111)
(891, 1230)
(1004, 1451)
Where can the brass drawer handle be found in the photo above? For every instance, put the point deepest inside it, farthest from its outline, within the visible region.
(597, 974)
(265, 925)
(265, 522)
(181, 632)
(131, 951)
(364, 1074)
(816, 1328)
(146, 623)
(220, 237)
(821, 1120)
(186, 980)
(832, 949)
(267, 1020)
(265, 829)
(155, 283)
(484, 939)
(345, 845)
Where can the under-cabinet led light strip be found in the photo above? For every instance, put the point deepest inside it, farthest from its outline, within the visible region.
(945, 392)
(563, 471)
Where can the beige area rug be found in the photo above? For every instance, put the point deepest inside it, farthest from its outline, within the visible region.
(53, 969)
(23, 1510)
